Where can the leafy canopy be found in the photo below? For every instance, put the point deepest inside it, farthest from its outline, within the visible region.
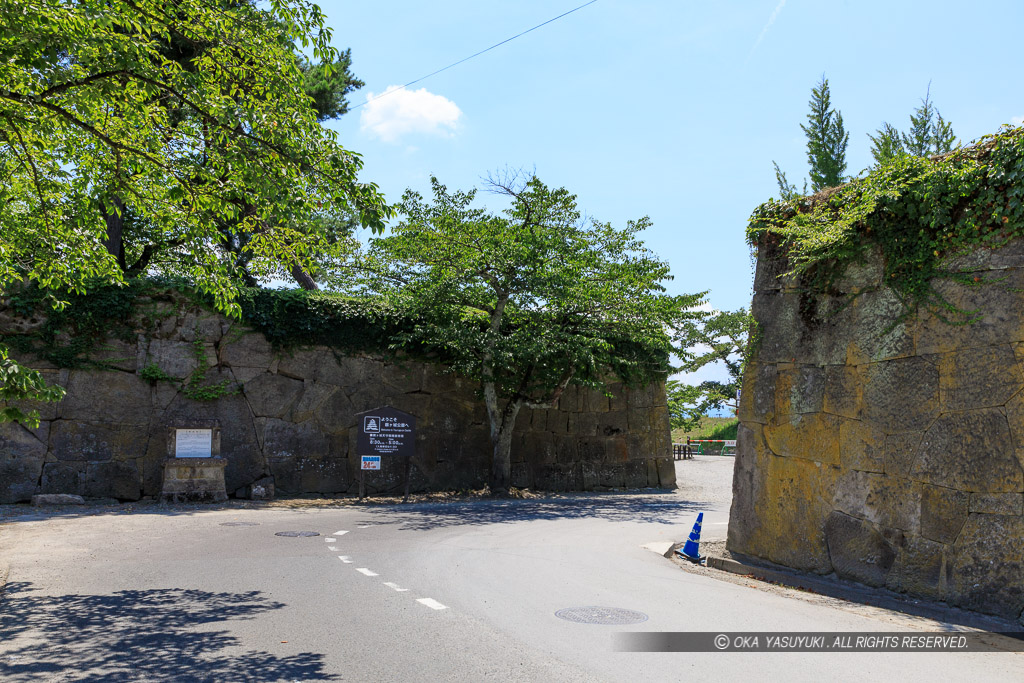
(532, 299)
(95, 105)
(721, 338)
(101, 115)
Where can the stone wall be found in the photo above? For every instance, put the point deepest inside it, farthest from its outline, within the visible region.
(889, 452)
(292, 418)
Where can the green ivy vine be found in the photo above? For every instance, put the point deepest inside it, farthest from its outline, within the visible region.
(916, 211)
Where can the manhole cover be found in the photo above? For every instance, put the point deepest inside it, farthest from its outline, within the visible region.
(601, 615)
(297, 533)
(239, 523)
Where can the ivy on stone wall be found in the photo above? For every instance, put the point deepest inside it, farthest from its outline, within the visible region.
(917, 212)
(69, 337)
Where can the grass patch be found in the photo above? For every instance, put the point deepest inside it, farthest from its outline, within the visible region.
(710, 428)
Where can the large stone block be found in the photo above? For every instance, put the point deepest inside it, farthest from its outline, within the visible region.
(813, 436)
(403, 378)
(997, 306)
(19, 479)
(970, 451)
(920, 568)
(272, 395)
(799, 389)
(63, 477)
(106, 396)
(114, 353)
(120, 479)
(987, 565)
(79, 440)
(857, 550)
(179, 358)
(314, 394)
(871, 328)
(861, 447)
(901, 395)
(778, 317)
(997, 503)
(336, 413)
(797, 494)
(979, 378)
(843, 391)
(901, 451)
(251, 350)
(889, 502)
(757, 402)
(746, 533)
(943, 513)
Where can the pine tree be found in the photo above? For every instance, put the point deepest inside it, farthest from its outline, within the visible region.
(826, 140)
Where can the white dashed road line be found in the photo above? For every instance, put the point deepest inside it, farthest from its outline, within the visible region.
(395, 587)
(431, 603)
(330, 540)
(340, 533)
(367, 572)
(345, 559)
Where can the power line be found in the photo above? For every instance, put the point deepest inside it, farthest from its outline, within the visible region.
(434, 73)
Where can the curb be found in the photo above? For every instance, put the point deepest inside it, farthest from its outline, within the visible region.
(863, 594)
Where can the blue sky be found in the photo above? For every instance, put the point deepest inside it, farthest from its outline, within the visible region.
(674, 110)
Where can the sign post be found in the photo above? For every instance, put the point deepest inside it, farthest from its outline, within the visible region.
(384, 431)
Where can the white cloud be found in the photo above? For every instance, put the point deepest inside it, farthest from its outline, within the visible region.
(397, 112)
(1017, 120)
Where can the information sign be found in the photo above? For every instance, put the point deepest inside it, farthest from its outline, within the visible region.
(370, 462)
(386, 431)
(193, 443)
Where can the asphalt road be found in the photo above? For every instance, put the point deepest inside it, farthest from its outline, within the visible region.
(425, 592)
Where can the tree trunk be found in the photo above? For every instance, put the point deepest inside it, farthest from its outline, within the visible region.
(113, 216)
(304, 279)
(502, 422)
(501, 468)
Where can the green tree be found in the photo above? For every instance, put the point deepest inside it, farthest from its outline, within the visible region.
(529, 301)
(719, 338)
(100, 120)
(827, 140)
(887, 144)
(928, 134)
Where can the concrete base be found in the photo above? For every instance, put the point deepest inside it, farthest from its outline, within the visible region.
(194, 480)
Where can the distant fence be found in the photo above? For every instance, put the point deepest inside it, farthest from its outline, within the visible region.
(685, 451)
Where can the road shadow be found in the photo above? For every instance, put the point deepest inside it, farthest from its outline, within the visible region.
(615, 507)
(138, 635)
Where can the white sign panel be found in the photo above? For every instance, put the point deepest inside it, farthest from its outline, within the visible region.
(193, 443)
(370, 462)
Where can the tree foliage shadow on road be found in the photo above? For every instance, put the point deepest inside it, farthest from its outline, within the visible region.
(610, 507)
(144, 635)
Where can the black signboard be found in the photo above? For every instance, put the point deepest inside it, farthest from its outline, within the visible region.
(386, 431)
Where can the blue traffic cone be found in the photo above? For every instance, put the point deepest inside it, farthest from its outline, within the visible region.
(690, 549)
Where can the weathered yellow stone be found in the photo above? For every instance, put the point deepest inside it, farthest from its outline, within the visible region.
(798, 496)
(813, 436)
